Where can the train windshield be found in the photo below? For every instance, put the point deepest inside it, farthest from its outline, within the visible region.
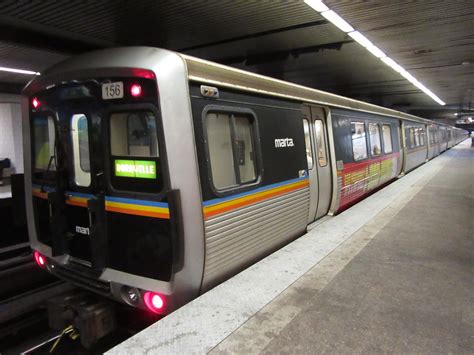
(43, 145)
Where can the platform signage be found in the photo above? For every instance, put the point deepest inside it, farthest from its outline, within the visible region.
(142, 169)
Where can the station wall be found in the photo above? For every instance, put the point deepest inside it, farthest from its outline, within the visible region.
(11, 138)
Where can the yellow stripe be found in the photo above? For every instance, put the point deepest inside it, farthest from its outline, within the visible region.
(260, 194)
(137, 207)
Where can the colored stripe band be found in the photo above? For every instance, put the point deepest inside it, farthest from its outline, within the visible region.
(114, 204)
(137, 207)
(222, 205)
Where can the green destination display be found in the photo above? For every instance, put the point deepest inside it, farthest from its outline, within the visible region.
(142, 169)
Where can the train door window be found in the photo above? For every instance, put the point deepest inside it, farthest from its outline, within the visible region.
(231, 149)
(417, 137)
(411, 137)
(80, 147)
(422, 136)
(135, 160)
(43, 143)
(307, 141)
(374, 135)
(387, 138)
(359, 141)
(133, 134)
(320, 142)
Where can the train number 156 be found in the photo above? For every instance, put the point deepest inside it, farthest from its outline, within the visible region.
(112, 90)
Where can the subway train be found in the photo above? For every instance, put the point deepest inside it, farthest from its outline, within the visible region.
(153, 176)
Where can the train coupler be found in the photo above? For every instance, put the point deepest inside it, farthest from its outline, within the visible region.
(93, 318)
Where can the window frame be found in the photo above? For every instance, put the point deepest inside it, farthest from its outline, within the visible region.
(305, 119)
(366, 141)
(74, 175)
(255, 136)
(324, 141)
(383, 124)
(161, 160)
(372, 155)
(34, 170)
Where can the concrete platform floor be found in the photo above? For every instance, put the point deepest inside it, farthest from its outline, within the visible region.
(393, 274)
(409, 290)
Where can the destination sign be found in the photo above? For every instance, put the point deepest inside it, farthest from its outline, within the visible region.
(142, 169)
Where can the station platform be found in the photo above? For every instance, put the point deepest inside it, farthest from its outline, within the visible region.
(393, 273)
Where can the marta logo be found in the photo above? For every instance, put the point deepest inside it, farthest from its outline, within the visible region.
(284, 142)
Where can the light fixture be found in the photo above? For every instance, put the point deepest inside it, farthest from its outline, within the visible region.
(318, 5)
(19, 71)
(40, 260)
(376, 51)
(155, 302)
(35, 102)
(361, 39)
(392, 64)
(338, 21)
(136, 90)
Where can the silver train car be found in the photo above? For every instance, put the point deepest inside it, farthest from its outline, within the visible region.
(153, 176)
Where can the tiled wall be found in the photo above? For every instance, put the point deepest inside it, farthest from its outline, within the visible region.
(11, 141)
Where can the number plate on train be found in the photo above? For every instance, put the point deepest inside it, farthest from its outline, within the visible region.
(112, 90)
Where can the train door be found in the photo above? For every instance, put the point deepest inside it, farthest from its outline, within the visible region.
(319, 169)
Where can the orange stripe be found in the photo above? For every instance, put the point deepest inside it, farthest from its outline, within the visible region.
(256, 199)
(137, 212)
(39, 194)
(76, 203)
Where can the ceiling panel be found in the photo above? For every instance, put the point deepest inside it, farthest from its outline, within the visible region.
(286, 39)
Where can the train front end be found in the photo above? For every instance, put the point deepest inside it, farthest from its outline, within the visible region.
(106, 143)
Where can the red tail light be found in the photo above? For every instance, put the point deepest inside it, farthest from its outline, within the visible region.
(136, 90)
(155, 302)
(40, 259)
(35, 102)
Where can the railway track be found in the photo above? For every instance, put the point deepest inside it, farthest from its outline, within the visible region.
(23, 295)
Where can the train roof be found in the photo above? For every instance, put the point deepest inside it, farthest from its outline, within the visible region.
(204, 71)
(200, 70)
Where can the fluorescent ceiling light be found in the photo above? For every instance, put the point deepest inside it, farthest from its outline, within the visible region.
(408, 76)
(392, 64)
(361, 39)
(19, 71)
(337, 20)
(317, 5)
(376, 51)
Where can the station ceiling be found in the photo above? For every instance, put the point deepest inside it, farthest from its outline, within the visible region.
(433, 40)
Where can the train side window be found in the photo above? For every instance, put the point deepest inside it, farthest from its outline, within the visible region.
(243, 146)
(80, 147)
(387, 138)
(411, 137)
(231, 149)
(307, 141)
(417, 137)
(359, 141)
(374, 133)
(320, 142)
(422, 136)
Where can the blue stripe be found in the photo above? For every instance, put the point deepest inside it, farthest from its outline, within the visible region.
(251, 192)
(109, 198)
(45, 188)
(136, 202)
(79, 194)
